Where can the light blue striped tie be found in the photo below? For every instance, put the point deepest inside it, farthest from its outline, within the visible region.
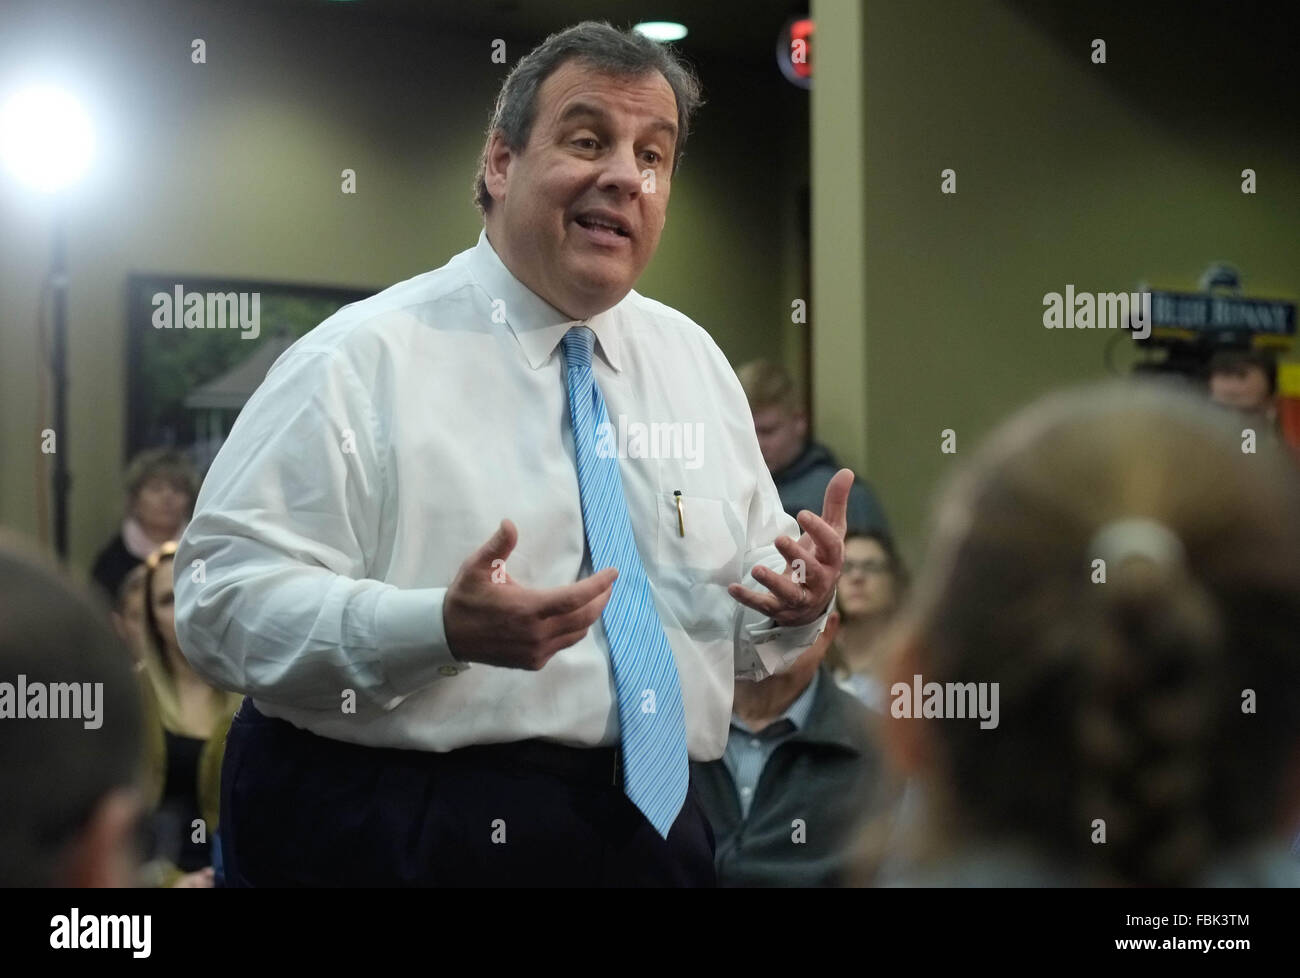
(651, 718)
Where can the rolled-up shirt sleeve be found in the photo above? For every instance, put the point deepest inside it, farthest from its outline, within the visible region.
(273, 594)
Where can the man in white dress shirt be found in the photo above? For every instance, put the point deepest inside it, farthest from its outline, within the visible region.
(392, 555)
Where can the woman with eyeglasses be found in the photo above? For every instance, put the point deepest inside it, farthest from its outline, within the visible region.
(870, 589)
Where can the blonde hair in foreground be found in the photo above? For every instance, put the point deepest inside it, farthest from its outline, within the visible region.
(1164, 701)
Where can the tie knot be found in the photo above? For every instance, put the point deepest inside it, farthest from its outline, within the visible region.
(578, 343)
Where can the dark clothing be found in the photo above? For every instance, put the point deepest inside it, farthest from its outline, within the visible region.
(173, 822)
(802, 485)
(828, 775)
(298, 809)
(114, 563)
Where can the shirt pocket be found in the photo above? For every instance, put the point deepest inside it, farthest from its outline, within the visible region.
(704, 537)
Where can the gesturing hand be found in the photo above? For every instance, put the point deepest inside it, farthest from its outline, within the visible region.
(490, 618)
(802, 592)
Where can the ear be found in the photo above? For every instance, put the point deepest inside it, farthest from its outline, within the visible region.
(497, 170)
(103, 854)
(801, 423)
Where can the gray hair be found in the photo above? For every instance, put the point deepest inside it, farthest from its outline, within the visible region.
(624, 54)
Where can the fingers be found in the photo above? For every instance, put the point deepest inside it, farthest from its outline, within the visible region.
(578, 620)
(793, 550)
(789, 594)
(829, 540)
(835, 506)
(763, 603)
(564, 600)
(512, 626)
(548, 636)
(821, 551)
(562, 631)
(499, 545)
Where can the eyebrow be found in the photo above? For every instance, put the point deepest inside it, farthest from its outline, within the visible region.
(580, 109)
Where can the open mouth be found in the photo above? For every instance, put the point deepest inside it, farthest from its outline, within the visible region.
(602, 225)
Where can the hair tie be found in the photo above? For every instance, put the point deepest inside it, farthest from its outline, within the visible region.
(1120, 540)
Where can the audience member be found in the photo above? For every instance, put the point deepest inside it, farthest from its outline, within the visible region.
(800, 467)
(1124, 584)
(871, 587)
(128, 612)
(800, 770)
(161, 486)
(194, 718)
(1245, 380)
(70, 805)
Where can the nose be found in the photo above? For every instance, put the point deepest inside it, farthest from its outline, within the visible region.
(621, 173)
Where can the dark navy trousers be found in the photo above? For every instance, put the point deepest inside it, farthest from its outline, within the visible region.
(298, 809)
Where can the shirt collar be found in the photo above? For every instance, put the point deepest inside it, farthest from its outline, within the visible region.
(138, 543)
(536, 324)
(837, 718)
(801, 707)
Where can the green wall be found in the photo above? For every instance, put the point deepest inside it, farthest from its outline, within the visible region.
(1067, 172)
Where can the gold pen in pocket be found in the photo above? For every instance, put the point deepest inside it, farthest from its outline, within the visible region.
(681, 520)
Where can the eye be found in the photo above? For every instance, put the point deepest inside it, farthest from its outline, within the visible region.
(652, 155)
(586, 139)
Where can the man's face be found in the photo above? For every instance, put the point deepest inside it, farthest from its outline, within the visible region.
(596, 144)
(1246, 390)
(780, 435)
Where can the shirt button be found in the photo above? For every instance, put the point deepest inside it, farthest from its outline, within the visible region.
(747, 791)
(449, 670)
(754, 742)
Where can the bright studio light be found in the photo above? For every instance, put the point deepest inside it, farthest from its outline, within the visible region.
(661, 30)
(46, 139)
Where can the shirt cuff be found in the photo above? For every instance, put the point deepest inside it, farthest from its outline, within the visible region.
(410, 636)
(768, 648)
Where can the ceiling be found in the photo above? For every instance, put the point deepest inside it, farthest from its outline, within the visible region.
(738, 30)
(1192, 62)
(1195, 63)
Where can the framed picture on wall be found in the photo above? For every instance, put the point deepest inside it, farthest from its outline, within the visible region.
(198, 347)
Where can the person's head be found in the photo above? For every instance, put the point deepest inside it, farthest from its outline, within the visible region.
(1245, 380)
(161, 486)
(160, 605)
(70, 802)
(1153, 698)
(589, 127)
(872, 579)
(165, 664)
(779, 418)
(128, 612)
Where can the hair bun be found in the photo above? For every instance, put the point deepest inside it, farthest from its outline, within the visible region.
(1124, 539)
